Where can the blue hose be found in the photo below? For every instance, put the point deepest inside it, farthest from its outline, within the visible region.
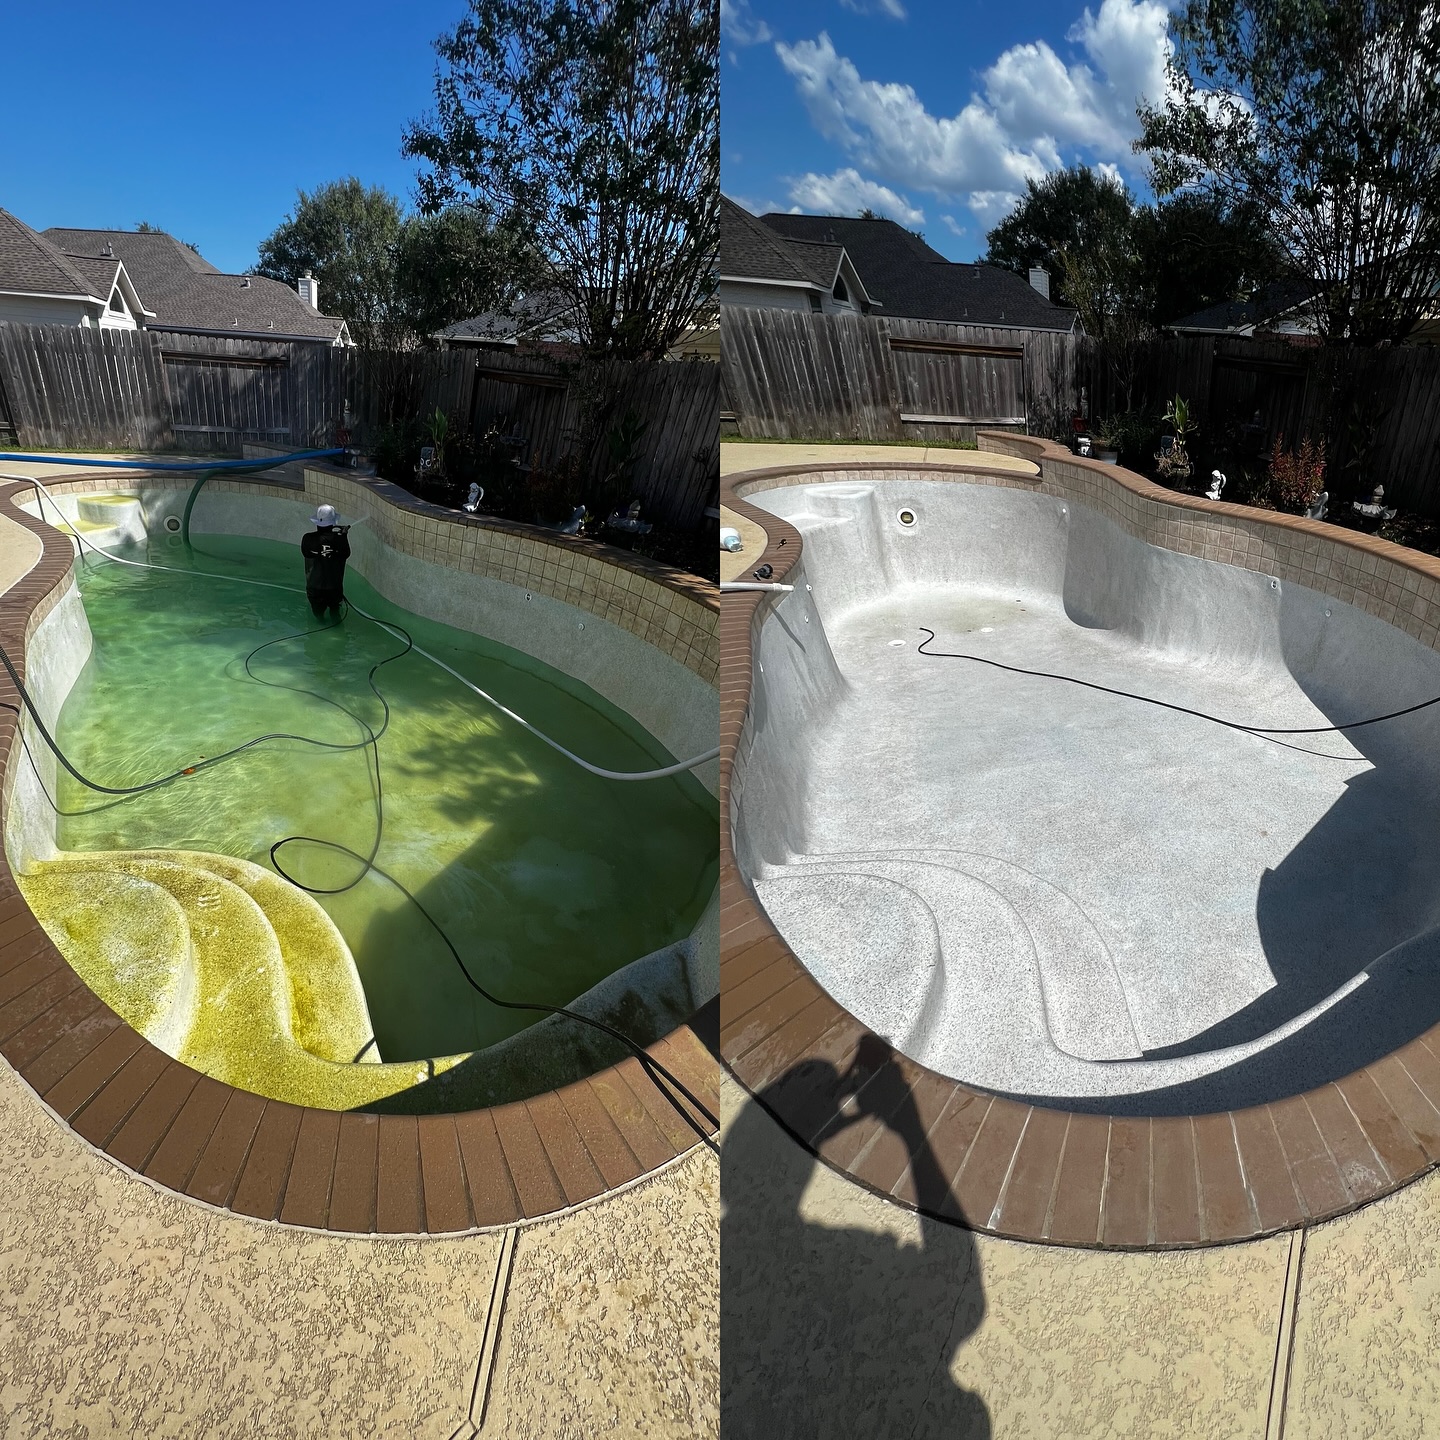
(206, 467)
(266, 464)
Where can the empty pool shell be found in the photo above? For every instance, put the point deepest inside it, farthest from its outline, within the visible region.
(1045, 1169)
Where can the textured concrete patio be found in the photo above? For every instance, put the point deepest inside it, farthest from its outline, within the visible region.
(125, 1310)
(844, 1315)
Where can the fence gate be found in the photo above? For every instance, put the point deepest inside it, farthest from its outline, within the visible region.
(529, 405)
(216, 401)
(946, 383)
(1259, 389)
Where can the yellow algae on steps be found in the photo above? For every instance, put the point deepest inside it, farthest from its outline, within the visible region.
(276, 1000)
(328, 1013)
(127, 939)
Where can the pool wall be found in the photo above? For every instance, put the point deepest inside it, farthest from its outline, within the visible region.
(392, 1173)
(1039, 1172)
(1056, 554)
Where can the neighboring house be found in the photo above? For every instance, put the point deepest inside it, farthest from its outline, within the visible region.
(42, 285)
(905, 278)
(543, 318)
(759, 268)
(185, 294)
(545, 321)
(1281, 309)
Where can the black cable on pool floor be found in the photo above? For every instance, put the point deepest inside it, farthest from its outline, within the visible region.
(1264, 732)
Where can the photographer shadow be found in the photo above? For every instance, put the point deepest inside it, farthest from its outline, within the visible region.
(840, 1315)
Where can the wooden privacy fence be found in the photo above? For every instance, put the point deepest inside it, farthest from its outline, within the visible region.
(794, 374)
(63, 387)
(797, 375)
(1377, 410)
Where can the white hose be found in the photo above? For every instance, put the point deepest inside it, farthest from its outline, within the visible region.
(434, 659)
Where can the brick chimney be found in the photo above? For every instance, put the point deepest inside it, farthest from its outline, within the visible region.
(1039, 280)
(309, 288)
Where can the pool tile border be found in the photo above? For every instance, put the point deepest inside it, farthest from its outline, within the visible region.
(351, 1172)
(1038, 1173)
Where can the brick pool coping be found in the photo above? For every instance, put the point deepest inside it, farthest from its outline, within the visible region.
(351, 1172)
(1042, 1173)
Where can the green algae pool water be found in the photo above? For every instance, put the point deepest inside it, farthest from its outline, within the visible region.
(546, 878)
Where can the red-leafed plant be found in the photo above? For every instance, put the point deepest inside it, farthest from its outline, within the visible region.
(1297, 476)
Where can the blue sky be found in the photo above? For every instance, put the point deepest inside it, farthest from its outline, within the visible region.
(933, 112)
(205, 119)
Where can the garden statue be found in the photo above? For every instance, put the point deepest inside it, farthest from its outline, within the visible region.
(1376, 509)
(473, 499)
(1317, 508)
(630, 521)
(1217, 484)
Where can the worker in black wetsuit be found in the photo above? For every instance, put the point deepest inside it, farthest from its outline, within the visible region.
(326, 549)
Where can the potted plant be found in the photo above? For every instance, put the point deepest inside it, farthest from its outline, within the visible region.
(1172, 462)
(1108, 434)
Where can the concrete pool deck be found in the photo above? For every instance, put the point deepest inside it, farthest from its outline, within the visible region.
(926, 1329)
(127, 1309)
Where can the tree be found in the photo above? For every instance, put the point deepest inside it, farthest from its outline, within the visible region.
(457, 264)
(596, 124)
(345, 234)
(1077, 224)
(1197, 249)
(1072, 210)
(1326, 117)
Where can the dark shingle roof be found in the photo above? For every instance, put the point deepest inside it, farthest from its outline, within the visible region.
(752, 250)
(905, 277)
(1265, 304)
(226, 304)
(32, 265)
(529, 315)
(99, 274)
(187, 292)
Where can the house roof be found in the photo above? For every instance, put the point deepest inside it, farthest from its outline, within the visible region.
(906, 277)
(1267, 303)
(528, 314)
(750, 250)
(32, 265)
(186, 292)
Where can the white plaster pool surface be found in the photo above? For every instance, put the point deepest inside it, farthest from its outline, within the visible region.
(1048, 891)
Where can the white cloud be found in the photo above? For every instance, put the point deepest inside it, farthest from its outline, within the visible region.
(847, 192)
(888, 130)
(740, 26)
(893, 8)
(954, 226)
(1033, 109)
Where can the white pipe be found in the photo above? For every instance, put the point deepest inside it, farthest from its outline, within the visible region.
(753, 585)
(434, 660)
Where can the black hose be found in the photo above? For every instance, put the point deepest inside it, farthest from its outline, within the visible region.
(371, 745)
(1263, 731)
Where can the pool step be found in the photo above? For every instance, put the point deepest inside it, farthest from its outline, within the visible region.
(1020, 963)
(242, 975)
(104, 520)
